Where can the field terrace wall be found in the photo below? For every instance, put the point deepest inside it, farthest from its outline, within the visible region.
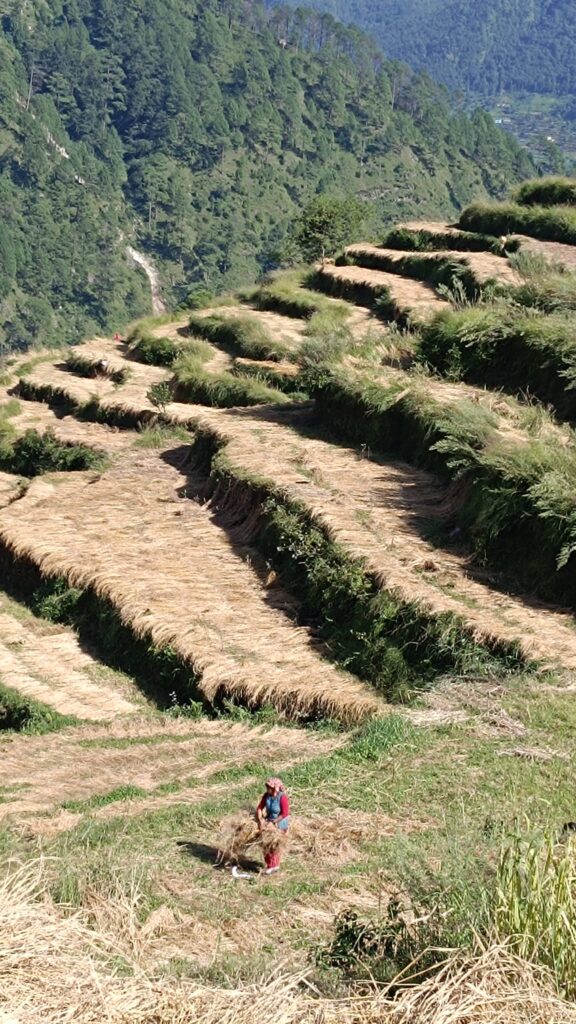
(359, 506)
(251, 438)
(495, 480)
(396, 298)
(474, 271)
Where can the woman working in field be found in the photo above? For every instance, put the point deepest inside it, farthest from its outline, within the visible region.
(273, 812)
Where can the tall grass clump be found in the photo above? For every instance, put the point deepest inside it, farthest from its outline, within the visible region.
(326, 340)
(83, 366)
(552, 191)
(550, 287)
(154, 351)
(550, 223)
(285, 292)
(222, 390)
(535, 903)
(422, 240)
(503, 346)
(241, 335)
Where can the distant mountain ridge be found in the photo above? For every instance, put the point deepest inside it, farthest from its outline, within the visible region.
(483, 46)
(197, 130)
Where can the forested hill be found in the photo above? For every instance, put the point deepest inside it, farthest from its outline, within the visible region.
(196, 130)
(482, 46)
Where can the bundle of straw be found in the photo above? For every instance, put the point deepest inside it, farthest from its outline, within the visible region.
(240, 832)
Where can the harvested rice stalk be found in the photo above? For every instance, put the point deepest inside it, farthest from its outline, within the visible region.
(240, 833)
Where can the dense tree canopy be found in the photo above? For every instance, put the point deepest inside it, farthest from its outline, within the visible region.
(198, 129)
(482, 46)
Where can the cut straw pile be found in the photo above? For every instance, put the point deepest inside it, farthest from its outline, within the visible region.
(55, 969)
(320, 839)
(239, 834)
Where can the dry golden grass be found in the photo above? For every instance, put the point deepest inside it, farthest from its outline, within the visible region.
(10, 487)
(485, 266)
(332, 840)
(140, 751)
(52, 668)
(58, 967)
(175, 579)
(410, 296)
(373, 510)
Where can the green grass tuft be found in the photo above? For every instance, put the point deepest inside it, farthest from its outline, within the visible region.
(23, 714)
(241, 335)
(550, 223)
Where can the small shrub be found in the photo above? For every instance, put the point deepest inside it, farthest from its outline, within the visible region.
(159, 394)
(33, 454)
(57, 601)
(381, 948)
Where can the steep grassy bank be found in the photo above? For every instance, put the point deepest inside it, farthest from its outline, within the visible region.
(241, 336)
(192, 383)
(159, 673)
(394, 644)
(523, 351)
(426, 240)
(550, 223)
(512, 499)
(546, 192)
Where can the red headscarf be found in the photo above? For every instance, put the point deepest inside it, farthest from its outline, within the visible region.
(276, 784)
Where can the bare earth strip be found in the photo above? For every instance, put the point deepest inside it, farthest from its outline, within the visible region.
(486, 266)
(175, 578)
(411, 296)
(51, 667)
(41, 772)
(374, 511)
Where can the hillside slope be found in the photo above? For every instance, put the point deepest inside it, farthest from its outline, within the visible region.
(304, 554)
(194, 131)
(483, 47)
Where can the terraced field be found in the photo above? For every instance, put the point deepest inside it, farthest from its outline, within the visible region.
(231, 576)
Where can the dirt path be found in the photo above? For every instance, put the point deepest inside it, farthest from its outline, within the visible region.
(375, 512)
(39, 773)
(486, 266)
(410, 296)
